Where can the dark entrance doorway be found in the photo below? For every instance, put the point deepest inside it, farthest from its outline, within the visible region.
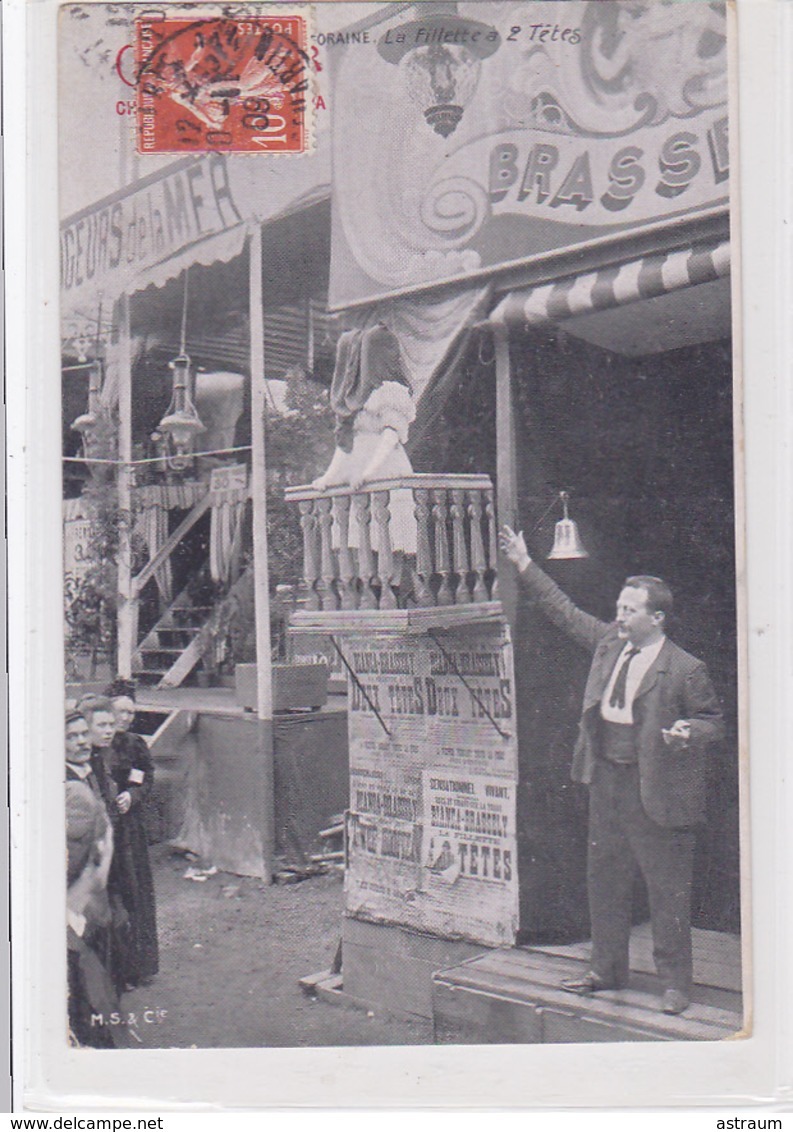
(645, 446)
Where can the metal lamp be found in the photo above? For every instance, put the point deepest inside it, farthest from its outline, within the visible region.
(440, 56)
(181, 423)
(566, 540)
(86, 422)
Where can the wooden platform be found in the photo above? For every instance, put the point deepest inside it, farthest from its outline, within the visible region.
(209, 701)
(717, 956)
(392, 966)
(513, 995)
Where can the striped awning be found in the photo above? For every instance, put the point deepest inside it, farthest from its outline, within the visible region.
(615, 286)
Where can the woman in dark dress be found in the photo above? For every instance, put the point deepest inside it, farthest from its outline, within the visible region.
(131, 769)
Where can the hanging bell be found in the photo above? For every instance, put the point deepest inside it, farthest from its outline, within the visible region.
(566, 540)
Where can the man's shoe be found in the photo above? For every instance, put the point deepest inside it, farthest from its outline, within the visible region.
(590, 983)
(674, 1001)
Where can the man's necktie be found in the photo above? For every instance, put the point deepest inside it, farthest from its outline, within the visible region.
(617, 698)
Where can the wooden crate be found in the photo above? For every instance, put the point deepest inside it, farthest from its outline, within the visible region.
(298, 685)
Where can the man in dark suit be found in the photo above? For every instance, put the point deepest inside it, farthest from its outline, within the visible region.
(89, 842)
(649, 715)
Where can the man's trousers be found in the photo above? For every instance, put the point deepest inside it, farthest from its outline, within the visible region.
(621, 835)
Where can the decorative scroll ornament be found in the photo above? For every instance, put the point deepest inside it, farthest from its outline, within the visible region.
(638, 63)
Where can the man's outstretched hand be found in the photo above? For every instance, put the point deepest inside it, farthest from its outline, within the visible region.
(514, 547)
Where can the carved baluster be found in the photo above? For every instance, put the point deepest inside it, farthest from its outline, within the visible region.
(478, 561)
(442, 564)
(308, 522)
(459, 548)
(424, 595)
(327, 569)
(365, 556)
(347, 587)
(385, 554)
(490, 515)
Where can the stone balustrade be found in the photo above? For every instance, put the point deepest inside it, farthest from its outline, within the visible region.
(455, 561)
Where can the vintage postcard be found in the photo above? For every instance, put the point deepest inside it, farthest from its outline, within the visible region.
(399, 525)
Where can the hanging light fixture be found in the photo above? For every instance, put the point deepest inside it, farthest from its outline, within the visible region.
(440, 57)
(566, 540)
(86, 423)
(181, 423)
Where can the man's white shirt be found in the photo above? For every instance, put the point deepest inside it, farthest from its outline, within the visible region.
(636, 672)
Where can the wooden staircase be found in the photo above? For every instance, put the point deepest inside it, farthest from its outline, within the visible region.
(176, 644)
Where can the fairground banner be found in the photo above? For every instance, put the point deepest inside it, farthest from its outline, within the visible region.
(469, 142)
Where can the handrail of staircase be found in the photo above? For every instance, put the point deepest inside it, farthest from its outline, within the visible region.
(203, 639)
(170, 544)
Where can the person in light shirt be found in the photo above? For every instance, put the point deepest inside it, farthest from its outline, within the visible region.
(649, 715)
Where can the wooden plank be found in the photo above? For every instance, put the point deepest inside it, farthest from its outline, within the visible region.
(520, 964)
(506, 465)
(417, 620)
(423, 480)
(127, 614)
(172, 731)
(476, 1014)
(536, 980)
(185, 663)
(470, 1019)
(535, 967)
(559, 1026)
(616, 1008)
(717, 956)
(261, 583)
(170, 544)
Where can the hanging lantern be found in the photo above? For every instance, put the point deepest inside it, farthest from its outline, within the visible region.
(439, 57)
(566, 540)
(86, 423)
(181, 424)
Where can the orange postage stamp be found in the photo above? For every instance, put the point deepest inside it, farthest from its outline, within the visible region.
(222, 84)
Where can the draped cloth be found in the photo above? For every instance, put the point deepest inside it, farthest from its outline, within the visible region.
(154, 521)
(226, 527)
(433, 335)
(219, 398)
(418, 343)
(172, 496)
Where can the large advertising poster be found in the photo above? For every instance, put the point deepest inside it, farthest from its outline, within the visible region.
(513, 133)
(433, 776)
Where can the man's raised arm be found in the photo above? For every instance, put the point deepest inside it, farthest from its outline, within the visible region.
(554, 602)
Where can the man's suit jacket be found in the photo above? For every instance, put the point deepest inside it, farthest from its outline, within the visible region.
(676, 686)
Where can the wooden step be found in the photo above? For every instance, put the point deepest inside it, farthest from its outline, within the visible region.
(148, 676)
(188, 631)
(514, 995)
(160, 657)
